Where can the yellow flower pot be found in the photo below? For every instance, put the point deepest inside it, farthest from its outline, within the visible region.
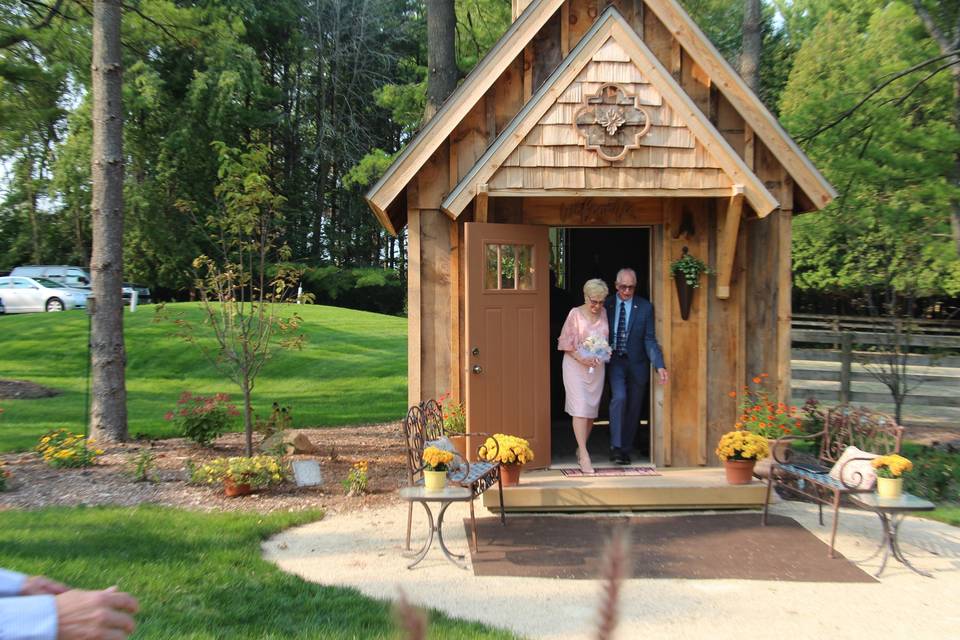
(434, 480)
(889, 487)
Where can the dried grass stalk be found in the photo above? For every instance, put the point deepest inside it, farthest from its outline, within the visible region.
(614, 569)
(410, 618)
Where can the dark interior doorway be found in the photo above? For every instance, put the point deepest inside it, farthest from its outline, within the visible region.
(579, 254)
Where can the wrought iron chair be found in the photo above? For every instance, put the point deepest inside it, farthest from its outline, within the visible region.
(423, 424)
(843, 426)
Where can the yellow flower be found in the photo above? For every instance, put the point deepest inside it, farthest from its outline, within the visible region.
(892, 466)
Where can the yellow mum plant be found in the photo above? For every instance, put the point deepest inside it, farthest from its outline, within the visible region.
(259, 471)
(437, 459)
(505, 449)
(742, 445)
(892, 466)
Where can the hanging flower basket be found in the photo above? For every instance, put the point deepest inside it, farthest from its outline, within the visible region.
(686, 271)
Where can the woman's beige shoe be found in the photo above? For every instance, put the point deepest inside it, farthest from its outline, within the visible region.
(583, 459)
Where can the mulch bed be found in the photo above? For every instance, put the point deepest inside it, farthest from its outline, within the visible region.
(108, 482)
(695, 547)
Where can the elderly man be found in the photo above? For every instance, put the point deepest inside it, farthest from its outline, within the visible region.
(634, 348)
(37, 608)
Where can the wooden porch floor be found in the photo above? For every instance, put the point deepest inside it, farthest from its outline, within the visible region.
(675, 488)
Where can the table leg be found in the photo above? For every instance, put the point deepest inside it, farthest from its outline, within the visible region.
(886, 544)
(895, 523)
(422, 553)
(452, 557)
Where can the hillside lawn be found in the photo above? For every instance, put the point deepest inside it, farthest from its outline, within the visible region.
(352, 370)
(199, 575)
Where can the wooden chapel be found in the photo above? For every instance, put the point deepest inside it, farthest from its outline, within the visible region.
(596, 133)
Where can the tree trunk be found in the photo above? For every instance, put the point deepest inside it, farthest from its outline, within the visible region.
(108, 410)
(441, 53)
(751, 45)
(247, 416)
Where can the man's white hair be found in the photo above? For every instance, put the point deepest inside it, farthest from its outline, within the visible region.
(626, 271)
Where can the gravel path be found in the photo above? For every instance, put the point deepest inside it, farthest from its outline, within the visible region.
(362, 550)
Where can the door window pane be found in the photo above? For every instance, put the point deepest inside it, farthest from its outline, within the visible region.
(508, 267)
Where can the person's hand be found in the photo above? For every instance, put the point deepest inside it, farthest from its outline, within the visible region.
(42, 586)
(95, 615)
(664, 376)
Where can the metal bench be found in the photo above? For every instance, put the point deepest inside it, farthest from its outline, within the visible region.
(424, 423)
(843, 426)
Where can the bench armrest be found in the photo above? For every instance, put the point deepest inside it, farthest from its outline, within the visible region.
(855, 476)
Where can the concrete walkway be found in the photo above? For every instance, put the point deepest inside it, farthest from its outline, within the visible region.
(362, 550)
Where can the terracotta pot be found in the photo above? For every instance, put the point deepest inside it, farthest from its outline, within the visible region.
(460, 444)
(684, 295)
(434, 480)
(233, 489)
(739, 471)
(889, 487)
(762, 469)
(510, 474)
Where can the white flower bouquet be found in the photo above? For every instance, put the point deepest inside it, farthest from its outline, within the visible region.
(595, 346)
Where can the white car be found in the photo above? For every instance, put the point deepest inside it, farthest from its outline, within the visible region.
(21, 295)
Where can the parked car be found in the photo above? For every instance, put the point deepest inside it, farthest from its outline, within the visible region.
(21, 295)
(74, 277)
(3, 309)
(143, 293)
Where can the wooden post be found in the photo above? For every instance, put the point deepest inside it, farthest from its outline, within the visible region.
(727, 247)
(846, 360)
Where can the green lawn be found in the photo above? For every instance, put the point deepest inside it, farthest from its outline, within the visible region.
(198, 575)
(944, 513)
(353, 369)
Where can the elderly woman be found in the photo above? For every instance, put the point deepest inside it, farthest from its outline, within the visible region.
(583, 375)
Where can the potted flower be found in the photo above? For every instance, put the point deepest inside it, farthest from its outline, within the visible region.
(767, 418)
(242, 475)
(890, 470)
(436, 464)
(739, 450)
(454, 423)
(510, 451)
(686, 271)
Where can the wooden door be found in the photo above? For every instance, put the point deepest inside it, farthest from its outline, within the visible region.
(507, 329)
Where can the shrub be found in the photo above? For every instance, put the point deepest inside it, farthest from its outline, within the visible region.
(61, 448)
(279, 420)
(364, 288)
(142, 465)
(203, 418)
(257, 471)
(935, 475)
(355, 484)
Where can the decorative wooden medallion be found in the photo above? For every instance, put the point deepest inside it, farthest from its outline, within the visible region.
(611, 123)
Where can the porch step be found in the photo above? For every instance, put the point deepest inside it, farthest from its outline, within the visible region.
(685, 488)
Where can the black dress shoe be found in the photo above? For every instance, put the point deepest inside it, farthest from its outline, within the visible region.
(614, 453)
(622, 457)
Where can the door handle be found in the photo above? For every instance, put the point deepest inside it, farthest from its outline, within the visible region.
(477, 369)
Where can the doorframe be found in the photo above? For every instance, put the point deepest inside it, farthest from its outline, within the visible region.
(658, 395)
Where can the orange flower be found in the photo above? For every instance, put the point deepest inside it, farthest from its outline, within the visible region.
(757, 380)
(732, 394)
(763, 375)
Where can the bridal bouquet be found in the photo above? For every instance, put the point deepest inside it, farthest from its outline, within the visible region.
(596, 346)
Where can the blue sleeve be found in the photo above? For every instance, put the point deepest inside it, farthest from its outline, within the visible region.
(650, 338)
(28, 618)
(11, 582)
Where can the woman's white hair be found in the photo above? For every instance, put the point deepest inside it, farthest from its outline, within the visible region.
(594, 287)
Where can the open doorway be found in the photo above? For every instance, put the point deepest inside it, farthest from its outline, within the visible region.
(578, 254)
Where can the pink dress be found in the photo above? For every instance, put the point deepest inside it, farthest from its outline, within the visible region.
(583, 388)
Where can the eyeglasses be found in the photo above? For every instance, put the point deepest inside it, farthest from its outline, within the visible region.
(626, 287)
(592, 302)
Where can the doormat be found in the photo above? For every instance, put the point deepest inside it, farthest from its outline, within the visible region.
(695, 547)
(613, 471)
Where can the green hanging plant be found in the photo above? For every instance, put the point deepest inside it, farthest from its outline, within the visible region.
(691, 267)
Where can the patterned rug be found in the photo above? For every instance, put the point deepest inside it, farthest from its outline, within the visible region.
(607, 472)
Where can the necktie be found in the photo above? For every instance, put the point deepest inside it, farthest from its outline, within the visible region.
(621, 343)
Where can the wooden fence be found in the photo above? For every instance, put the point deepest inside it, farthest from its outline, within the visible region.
(849, 340)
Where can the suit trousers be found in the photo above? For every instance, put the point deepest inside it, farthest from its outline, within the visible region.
(627, 383)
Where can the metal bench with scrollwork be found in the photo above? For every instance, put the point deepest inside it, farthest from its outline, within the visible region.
(843, 427)
(424, 424)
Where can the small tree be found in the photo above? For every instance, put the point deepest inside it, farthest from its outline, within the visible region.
(241, 291)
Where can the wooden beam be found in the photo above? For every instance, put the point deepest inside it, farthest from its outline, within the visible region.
(482, 204)
(726, 249)
(565, 29)
(718, 192)
(699, 47)
(414, 311)
(748, 155)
